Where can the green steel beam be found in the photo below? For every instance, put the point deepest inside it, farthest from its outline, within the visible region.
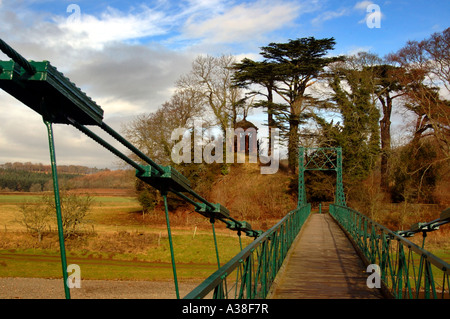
(172, 253)
(169, 178)
(63, 99)
(62, 247)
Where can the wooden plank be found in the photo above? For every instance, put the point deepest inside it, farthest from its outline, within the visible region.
(323, 264)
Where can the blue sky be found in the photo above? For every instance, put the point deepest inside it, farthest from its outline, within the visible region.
(127, 55)
(241, 27)
(246, 25)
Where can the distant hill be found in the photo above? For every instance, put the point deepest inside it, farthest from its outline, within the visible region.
(117, 179)
(41, 168)
(29, 177)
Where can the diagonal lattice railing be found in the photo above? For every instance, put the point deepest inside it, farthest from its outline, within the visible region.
(250, 274)
(406, 270)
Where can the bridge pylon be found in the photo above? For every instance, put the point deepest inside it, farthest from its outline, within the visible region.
(320, 159)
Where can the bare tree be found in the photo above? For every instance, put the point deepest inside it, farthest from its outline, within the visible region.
(35, 217)
(151, 132)
(74, 209)
(38, 216)
(212, 77)
(425, 75)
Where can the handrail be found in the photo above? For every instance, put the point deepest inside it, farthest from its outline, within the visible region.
(407, 270)
(257, 265)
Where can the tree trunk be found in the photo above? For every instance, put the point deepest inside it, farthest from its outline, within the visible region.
(270, 121)
(385, 134)
(293, 143)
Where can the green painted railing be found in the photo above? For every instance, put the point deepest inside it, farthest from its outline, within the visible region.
(406, 270)
(251, 273)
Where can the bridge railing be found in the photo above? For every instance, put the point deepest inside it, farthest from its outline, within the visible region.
(406, 270)
(251, 273)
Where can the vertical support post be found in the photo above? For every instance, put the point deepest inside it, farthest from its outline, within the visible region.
(58, 207)
(340, 196)
(240, 240)
(172, 255)
(320, 208)
(218, 292)
(263, 260)
(215, 242)
(301, 177)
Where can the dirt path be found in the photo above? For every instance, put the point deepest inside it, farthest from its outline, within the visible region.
(38, 288)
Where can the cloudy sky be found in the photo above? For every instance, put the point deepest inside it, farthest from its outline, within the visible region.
(127, 55)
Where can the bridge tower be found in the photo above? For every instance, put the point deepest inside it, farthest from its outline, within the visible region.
(320, 159)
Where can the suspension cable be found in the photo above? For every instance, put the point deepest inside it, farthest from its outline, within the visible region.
(13, 54)
(105, 144)
(130, 146)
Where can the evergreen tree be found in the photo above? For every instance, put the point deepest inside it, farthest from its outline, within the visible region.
(387, 88)
(298, 63)
(358, 131)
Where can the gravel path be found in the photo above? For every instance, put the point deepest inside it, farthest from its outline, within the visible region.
(38, 288)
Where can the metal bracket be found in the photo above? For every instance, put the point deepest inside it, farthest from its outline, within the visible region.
(245, 227)
(170, 179)
(219, 211)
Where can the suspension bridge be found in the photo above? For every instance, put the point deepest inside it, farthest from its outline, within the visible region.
(334, 253)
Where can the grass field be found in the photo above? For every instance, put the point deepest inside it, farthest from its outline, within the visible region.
(121, 243)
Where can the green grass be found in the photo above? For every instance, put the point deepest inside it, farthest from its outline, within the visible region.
(23, 197)
(195, 258)
(194, 255)
(44, 264)
(17, 199)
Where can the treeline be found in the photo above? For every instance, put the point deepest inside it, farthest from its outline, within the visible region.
(14, 180)
(30, 177)
(41, 168)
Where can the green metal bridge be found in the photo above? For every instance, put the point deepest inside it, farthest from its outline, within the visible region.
(305, 255)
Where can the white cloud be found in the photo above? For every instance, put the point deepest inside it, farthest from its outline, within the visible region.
(362, 5)
(365, 6)
(328, 15)
(111, 26)
(124, 79)
(243, 22)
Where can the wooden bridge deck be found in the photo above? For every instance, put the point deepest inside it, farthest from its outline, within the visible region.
(323, 264)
